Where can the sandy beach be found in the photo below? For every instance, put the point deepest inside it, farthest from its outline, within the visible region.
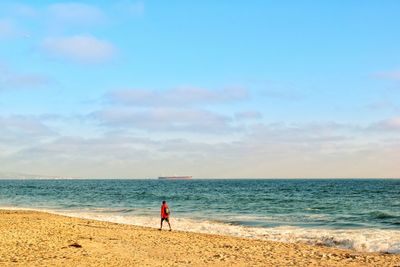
(30, 238)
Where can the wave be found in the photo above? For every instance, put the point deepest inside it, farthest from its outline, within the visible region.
(365, 240)
(382, 215)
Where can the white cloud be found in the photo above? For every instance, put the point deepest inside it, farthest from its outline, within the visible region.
(17, 131)
(165, 119)
(275, 150)
(310, 150)
(183, 96)
(381, 105)
(248, 115)
(179, 110)
(10, 80)
(26, 81)
(80, 48)
(23, 124)
(282, 94)
(75, 13)
(392, 124)
(85, 157)
(391, 75)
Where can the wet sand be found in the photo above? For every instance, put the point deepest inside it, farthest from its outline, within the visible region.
(30, 238)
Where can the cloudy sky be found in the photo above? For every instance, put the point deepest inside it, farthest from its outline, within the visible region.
(135, 89)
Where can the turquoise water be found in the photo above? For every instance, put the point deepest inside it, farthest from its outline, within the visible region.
(358, 214)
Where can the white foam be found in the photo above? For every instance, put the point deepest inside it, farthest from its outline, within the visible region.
(367, 240)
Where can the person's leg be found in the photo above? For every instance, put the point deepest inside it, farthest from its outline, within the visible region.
(161, 223)
(169, 224)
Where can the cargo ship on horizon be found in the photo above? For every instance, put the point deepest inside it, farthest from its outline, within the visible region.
(175, 177)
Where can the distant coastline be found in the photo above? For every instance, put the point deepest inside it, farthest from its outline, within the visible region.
(25, 176)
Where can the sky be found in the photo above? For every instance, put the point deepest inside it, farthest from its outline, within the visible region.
(213, 89)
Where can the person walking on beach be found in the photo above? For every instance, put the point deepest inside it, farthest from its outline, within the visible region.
(165, 214)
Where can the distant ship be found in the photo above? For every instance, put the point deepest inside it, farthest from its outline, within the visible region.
(175, 177)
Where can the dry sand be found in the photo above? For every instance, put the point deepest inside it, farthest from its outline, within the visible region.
(31, 238)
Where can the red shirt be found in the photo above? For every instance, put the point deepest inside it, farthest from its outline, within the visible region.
(163, 209)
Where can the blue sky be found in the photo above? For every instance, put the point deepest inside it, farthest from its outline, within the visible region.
(207, 88)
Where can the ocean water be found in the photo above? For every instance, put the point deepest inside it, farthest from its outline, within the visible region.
(363, 215)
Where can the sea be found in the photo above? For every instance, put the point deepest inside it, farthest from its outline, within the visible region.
(359, 214)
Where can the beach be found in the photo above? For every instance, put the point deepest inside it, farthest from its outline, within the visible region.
(31, 238)
(266, 132)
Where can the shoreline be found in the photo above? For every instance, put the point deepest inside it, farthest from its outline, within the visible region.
(347, 239)
(41, 238)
